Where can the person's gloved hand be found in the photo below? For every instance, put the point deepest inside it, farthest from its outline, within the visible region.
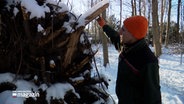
(101, 21)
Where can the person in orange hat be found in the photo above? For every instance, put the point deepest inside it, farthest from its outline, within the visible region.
(138, 69)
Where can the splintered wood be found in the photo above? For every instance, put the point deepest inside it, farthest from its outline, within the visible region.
(56, 54)
(96, 11)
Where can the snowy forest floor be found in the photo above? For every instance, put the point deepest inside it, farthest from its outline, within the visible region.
(171, 77)
(171, 74)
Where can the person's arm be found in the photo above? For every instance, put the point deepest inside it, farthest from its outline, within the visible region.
(152, 85)
(111, 33)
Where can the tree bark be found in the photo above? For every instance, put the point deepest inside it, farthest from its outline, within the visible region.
(57, 54)
(168, 24)
(134, 8)
(121, 6)
(140, 7)
(178, 22)
(155, 28)
(105, 45)
(161, 20)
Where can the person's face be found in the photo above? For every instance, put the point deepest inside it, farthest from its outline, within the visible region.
(126, 37)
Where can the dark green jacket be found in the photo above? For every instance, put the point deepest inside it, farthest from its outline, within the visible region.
(131, 88)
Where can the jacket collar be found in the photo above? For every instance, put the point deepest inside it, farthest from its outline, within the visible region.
(134, 47)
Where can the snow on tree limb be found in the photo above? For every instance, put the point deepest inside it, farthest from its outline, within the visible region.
(95, 11)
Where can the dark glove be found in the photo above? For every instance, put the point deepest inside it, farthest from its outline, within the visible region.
(101, 21)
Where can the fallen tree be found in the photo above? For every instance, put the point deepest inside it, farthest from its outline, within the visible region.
(48, 45)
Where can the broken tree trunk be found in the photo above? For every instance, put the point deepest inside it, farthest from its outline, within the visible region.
(53, 47)
(96, 11)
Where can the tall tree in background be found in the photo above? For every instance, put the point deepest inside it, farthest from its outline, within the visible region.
(105, 44)
(155, 28)
(182, 33)
(134, 10)
(93, 27)
(121, 6)
(163, 2)
(178, 22)
(89, 5)
(92, 23)
(149, 15)
(96, 29)
(168, 24)
(140, 8)
(144, 7)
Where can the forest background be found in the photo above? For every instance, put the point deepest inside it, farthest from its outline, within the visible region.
(166, 20)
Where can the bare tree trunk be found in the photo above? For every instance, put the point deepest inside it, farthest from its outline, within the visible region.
(134, 11)
(121, 4)
(155, 28)
(132, 4)
(178, 22)
(149, 15)
(168, 24)
(88, 27)
(182, 34)
(105, 46)
(135, 7)
(161, 19)
(144, 5)
(92, 23)
(140, 13)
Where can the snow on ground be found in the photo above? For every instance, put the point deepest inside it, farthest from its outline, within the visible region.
(171, 78)
(111, 70)
(171, 75)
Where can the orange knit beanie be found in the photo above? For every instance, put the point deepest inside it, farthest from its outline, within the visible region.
(137, 26)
